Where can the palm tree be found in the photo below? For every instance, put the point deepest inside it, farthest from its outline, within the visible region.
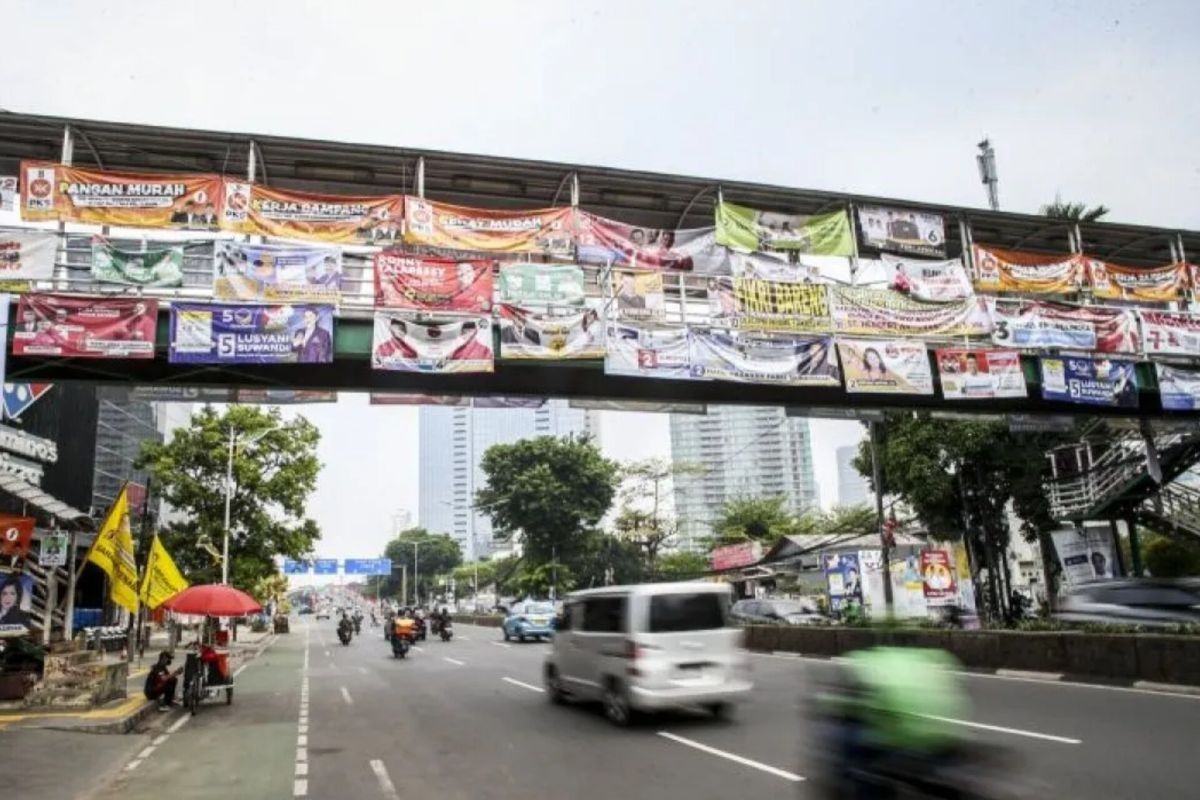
(1075, 212)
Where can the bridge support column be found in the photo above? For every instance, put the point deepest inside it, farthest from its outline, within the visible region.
(1135, 548)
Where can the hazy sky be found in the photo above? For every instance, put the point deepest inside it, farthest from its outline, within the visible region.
(1091, 99)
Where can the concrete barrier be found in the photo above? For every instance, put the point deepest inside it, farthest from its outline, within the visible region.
(1168, 659)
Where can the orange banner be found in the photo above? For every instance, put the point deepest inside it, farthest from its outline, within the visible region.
(999, 270)
(1154, 284)
(543, 230)
(52, 191)
(345, 219)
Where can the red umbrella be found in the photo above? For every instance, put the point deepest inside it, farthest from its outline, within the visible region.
(213, 600)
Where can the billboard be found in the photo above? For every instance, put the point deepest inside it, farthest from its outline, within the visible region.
(546, 230)
(748, 229)
(761, 305)
(895, 366)
(934, 281)
(212, 333)
(404, 344)
(790, 361)
(161, 266)
(638, 296)
(732, 556)
(1168, 333)
(420, 283)
(884, 312)
(647, 352)
(902, 230)
(1036, 324)
(1089, 381)
(277, 273)
(342, 219)
(85, 327)
(1179, 389)
(606, 241)
(541, 284)
(1137, 284)
(1000, 270)
(937, 578)
(526, 334)
(980, 374)
(27, 255)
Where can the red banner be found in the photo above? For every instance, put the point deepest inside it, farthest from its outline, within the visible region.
(16, 534)
(432, 284)
(540, 230)
(1000, 270)
(606, 241)
(937, 577)
(85, 327)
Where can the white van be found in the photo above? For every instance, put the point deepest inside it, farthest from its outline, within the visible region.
(648, 647)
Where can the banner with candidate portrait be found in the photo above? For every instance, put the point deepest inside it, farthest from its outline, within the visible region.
(934, 281)
(749, 229)
(938, 583)
(843, 579)
(1089, 381)
(637, 296)
(421, 283)
(277, 273)
(1034, 324)
(608, 242)
(647, 352)
(902, 230)
(779, 360)
(777, 267)
(27, 255)
(157, 267)
(1178, 389)
(887, 312)
(16, 602)
(214, 333)
(1000, 270)
(541, 284)
(887, 366)
(980, 374)
(1086, 554)
(1111, 281)
(9, 187)
(84, 327)
(546, 231)
(403, 343)
(341, 219)
(1169, 333)
(128, 199)
(418, 399)
(528, 334)
(754, 304)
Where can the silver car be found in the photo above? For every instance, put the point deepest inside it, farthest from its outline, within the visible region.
(1133, 601)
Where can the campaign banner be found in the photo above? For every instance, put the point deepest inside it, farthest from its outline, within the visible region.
(53, 550)
(1000, 270)
(1090, 381)
(638, 406)
(543, 230)
(904, 231)
(895, 366)
(777, 267)
(1178, 389)
(85, 327)
(8, 192)
(283, 397)
(160, 267)
(791, 361)
(432, 284)
(497, 401)
(761, 305)
(1168, 333)
(16, 602)
(980, 374)
(412, 399)
(843, 578)
(887, 312)
(277, 273)
(127, 199)
(638, 296)
(606, 241)
(749, 230)
(733, 556)
(343, 219)
(27, 255)
(527, 334)
(541, 284)
(646, 352)
(213, 333)
(404, 344)
(1036, 324)
(1153, 285)
(1086, 555)
(935, 281)
(16, 535)
(937, 578)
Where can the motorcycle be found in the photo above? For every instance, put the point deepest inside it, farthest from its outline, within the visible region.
(344, 635)
(442, 628)
(400, 646)
(357, 626)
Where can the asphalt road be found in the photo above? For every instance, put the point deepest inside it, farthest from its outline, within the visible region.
(467, 719)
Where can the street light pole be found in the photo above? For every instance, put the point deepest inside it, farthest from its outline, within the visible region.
(228, 502)
(416, 575)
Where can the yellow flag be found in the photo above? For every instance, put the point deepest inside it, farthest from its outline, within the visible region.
(113, 552)
(163, 579)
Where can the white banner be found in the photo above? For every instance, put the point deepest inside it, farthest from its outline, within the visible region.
(806, 269)
(27, 255)
(1169, 333)
(902, 230)
(1086, 555)
(980, 374)
(526, 334)
(937, 281)
(647, 352)
(892, 366)
(797, 361)
(8, 192)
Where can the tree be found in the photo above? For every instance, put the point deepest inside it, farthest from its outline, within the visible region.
(1171, 557)
(681, 565)
(271, 589)
(433, 555)
(857, 519)
(275, 470)
(642, 519)
(1074, 212)
(759, 519)
(551, 491)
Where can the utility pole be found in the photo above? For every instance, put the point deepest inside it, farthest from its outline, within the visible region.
(986, 159)
(885, 549)
(416, 575)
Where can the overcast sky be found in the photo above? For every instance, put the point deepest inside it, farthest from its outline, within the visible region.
(1090, 99)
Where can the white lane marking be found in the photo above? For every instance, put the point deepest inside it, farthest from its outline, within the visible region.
(418, 648)
(132, 765)
(500, 644)
(327, 654)
(1078, 685)
(385, 783)
(303, 728)
(779, 773)
(464, 638)
(304, 719)
(300, 787)
(524, 685)
(238, 671)
(346, 696)
(301, 770)
(998, 729)
(146, 753)
(363, 670)
(302, 740)
(454, 661)
(179, 723)
(159, 740)
(301, 754)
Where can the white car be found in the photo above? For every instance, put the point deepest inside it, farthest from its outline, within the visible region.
(648, 647)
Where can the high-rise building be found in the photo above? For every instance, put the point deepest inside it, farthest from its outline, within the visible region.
(746, 451)
(122, 424)
(852, 487)
(401, 520)
(453, 441)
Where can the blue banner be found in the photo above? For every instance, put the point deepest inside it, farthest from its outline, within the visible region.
(1179, 389)
(1090, 381)
(291, 567)
(368, 566)
(251, 334)
(843, 578)
(325, 566)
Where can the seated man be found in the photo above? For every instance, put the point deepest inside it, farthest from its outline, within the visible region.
(161, 682)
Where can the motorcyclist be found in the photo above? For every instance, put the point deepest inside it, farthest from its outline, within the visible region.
(345, 626)
(357, 619)
(405, 624)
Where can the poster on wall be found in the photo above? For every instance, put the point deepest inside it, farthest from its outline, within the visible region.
(16, 602)
(1168, 333)
(432, 284)
(1033, 324)
(1085, 555)
(159, 267)
(1179, 389)
(884, 312)
(638, 296)
(843, 579)
(343, 219)
(85, 327)
(937, 578)
(889, 366)
(606, 241)
(1137, 284)
(53, 550)
(788, 361)
(403, 344)
(211, 333)
(127, 199)
(647, 352)
(27, 255)
(980, 374)
(8, 192)
(760, 305)
(748, 229)
(528, 334)
(1000, 270)
(545, 230)
(1090, 381)
(541, 284)
(278, 273)
(902, 230)
(935, 281)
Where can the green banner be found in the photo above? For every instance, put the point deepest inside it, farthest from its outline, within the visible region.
(541, 284)
(748, 229)
(161, 267)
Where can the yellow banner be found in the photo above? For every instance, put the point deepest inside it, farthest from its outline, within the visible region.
(163, 579)
(113, 552)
